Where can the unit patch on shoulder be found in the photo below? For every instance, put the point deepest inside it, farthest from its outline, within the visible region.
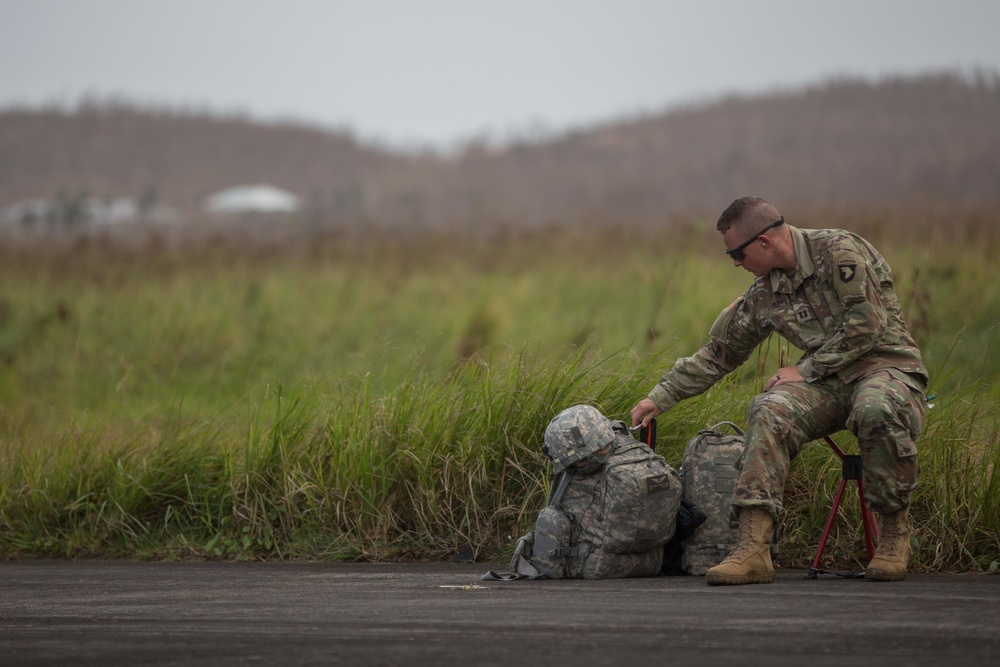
(847, 271)
(849, 281)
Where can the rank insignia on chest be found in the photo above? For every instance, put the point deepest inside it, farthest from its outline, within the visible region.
(803, 314)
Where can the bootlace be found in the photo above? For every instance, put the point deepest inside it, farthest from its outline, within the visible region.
(889, 538)
(744, 538)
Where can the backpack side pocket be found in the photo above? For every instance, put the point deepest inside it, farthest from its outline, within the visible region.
(553, 532)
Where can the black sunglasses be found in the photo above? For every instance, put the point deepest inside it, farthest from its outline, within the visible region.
(737, 253)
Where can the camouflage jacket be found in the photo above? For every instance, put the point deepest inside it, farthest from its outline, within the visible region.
(839, 307)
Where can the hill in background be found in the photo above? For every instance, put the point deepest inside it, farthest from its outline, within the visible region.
(933, 139)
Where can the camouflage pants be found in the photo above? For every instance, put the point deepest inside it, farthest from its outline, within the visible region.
(884, 410)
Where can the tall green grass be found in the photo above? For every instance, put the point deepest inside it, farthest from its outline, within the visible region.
(388, 400)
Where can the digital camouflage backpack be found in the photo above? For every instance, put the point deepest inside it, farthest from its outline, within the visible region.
(612, 507)
(709, 468)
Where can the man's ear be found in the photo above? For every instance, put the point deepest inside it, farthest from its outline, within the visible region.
(769, 240)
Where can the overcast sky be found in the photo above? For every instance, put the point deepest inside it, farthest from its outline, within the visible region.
(438, 71)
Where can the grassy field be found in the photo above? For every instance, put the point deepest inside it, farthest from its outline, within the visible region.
(386, 399)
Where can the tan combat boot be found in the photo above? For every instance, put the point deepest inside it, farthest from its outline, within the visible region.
(750, 561)
(893, 552)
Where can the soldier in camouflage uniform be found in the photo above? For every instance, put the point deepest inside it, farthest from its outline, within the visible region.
(830, 293)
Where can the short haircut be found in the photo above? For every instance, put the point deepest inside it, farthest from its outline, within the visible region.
(749, 212)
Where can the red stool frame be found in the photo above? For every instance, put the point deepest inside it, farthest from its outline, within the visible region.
(851, 469)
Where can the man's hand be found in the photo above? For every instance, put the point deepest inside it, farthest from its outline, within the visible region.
(783, 376)
(644, 411)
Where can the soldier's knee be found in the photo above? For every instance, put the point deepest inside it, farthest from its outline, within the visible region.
(767, 407)
(872, 414)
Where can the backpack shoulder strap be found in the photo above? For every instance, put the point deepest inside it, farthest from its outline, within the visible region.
(558, 488)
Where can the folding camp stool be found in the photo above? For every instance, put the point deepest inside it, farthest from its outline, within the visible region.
(850, 470)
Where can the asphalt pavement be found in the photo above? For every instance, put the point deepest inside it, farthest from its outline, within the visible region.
(212, 613)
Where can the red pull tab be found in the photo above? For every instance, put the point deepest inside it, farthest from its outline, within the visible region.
(647, 434)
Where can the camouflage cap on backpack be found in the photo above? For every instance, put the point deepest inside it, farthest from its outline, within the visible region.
(575, 434)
